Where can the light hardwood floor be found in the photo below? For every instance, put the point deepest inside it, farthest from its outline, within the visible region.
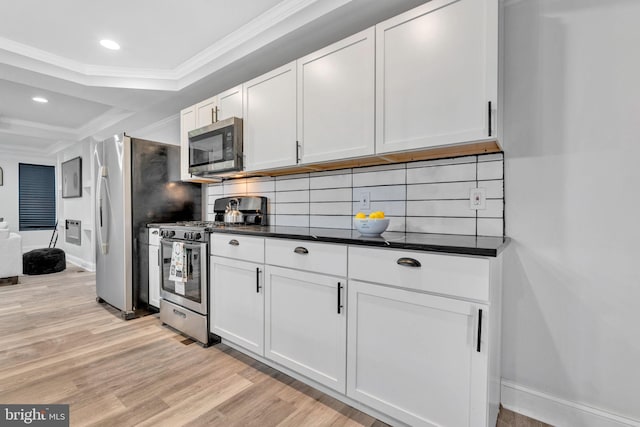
(57, 345)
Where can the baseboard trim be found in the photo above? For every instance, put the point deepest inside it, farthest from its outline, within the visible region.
(89, 266)
(557, 411)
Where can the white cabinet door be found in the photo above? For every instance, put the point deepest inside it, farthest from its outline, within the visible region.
(336, 98)
(415, 356)
(270, 119)
(237, 302)
(187, 123)
(206, 111)
(230, 103)
(305, 329)
(436, 72)
(154, 275)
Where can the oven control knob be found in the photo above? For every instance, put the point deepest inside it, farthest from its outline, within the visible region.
(197, 236)
(163, 233)
(188, 236)
(171, 233)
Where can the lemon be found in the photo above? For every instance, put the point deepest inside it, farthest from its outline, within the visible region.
(376, 215)
(360, 215)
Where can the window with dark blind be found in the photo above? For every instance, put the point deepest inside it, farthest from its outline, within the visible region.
(37, 197)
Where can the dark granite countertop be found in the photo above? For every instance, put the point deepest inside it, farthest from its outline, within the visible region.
(446, 243)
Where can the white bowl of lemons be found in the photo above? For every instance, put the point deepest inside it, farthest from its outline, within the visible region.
(372, 225)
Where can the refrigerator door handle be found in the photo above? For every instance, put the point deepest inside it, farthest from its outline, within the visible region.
(104, 206)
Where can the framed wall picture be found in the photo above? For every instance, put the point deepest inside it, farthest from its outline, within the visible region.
(72, 178)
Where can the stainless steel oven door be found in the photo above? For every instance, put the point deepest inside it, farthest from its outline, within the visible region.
(193, 295)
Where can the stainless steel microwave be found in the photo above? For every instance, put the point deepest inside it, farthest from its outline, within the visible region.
(216, 148)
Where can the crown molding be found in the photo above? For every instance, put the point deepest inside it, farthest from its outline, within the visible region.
(283, 18)
(35, 129)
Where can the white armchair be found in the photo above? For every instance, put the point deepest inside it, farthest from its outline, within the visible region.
(10, 254)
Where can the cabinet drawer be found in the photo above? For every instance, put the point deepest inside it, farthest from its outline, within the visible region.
(323, 258)
(461, 276)
(246, 248)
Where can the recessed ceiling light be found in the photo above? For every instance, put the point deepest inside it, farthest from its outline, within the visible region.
(110, 44)
(40, 99)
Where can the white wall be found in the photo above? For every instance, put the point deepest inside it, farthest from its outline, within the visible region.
(9, 198)
(571, 334)
(80, 208)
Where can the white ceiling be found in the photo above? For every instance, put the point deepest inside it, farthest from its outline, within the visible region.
(173, 55)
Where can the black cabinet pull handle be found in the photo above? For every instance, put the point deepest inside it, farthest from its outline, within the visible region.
(409, 262)
(479, 329)
(234, 242)
(258, 280)
(489, 115)
(300, 250)
(339, 297)
(297, 152)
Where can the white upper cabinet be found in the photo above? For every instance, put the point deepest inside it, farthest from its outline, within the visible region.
(436, 72)
(270, 119)
(206, 112)
(187, 123)
(336, 98)
(230, 103)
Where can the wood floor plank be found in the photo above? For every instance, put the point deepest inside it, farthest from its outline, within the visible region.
(58, 345)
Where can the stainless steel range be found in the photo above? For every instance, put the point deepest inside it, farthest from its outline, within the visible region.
(184, 249)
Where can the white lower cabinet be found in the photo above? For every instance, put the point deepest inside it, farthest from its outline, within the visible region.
(415, 356)
(154, 268)
(237, 302)
(306, 324)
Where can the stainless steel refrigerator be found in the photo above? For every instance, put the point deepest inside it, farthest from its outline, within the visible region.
(136, 182)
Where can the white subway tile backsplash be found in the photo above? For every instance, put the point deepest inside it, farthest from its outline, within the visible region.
(215, 190)
(235, 187)
(330, 195)
(442, 208)
(440, 191)
(495, 189)
(292, 208)
(490, 170)
(327, 221)
(387, 192)
(330, 208)
(446, 173)
(291, 184)
(495, 209)
(261, 185)
(390, 208)
(388, 177)
(448, 161)
(292, 196)
(490, 157)
(367, 169)
(330, 181)
(292, 220)
(490, 227)
(442, 225)
(427, 196)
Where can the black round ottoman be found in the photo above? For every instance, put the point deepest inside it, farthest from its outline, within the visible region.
(43, 261)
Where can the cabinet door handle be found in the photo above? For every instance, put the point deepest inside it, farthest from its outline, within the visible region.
(214, 114)
(339, 297)
(300, 250)
(258, 280)
(408, 262)
(234, 242)
(489, 115)
(479, 329)
(297, 152)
